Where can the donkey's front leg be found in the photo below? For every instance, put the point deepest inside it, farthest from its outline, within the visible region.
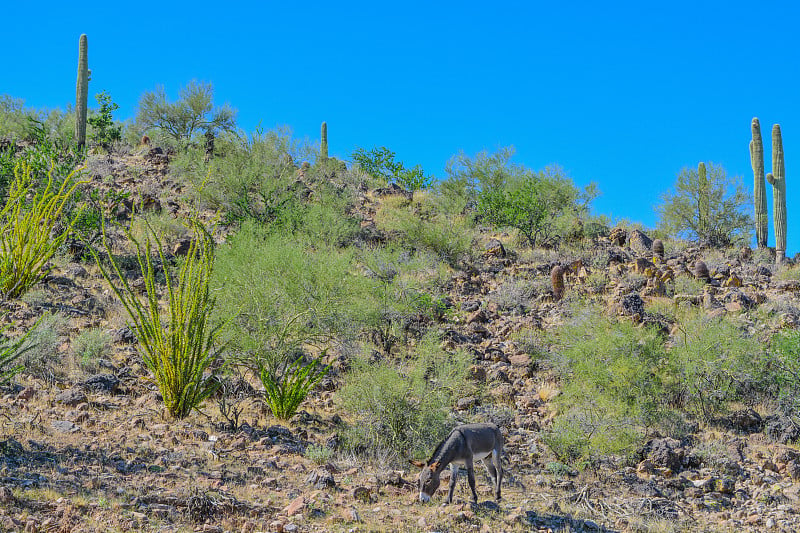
(471, 478)
(453, 478)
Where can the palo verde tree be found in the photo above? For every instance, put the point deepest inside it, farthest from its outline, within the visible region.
(707, 206)
(193, 111)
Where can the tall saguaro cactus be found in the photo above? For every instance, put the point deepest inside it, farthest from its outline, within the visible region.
(778, 181)
(82, 92)
(323, 148)
(759, 187)
(703, 200)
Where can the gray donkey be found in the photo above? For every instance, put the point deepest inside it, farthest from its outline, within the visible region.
(463, 446)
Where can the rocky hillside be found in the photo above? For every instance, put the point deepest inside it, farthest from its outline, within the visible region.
(89, 447)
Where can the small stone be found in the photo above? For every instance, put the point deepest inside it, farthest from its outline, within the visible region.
(296, 506)
(26, 393)
(276, 526)
(71, 397)
(64, 426)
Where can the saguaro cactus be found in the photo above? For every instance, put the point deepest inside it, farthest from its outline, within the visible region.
(759, 187)
(778, 181)
(323, 148)
(704, 203)
(82, 92)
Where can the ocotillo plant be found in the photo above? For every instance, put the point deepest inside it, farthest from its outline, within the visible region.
(323, 148)
(778, 181)
(82, 92)
(759, 187)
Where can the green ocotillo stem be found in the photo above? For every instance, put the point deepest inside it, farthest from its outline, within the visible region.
(323, 149)
(82, 92)
(759, 187)
(778, 181)
(703, 203)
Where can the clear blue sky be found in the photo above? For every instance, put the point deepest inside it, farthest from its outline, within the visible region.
(621, 93)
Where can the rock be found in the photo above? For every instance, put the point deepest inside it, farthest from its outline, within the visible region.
(618, 236)
(362, 494)
(495, 247)
(71, 397)
(478, 316)
(666, 453)
(321, 478)
(26, 393)
(276, 526)
(123, 335)
(102, 383)
(6, 496)
(64, 426)
(632, 305)
(781, 429)
(639, 242)
(296, 506)
(181, 248)
(744, 421)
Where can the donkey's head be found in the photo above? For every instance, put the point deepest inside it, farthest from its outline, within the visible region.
(428, 480)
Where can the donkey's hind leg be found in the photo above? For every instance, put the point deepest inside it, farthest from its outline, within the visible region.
(497, 467)
(491, 470)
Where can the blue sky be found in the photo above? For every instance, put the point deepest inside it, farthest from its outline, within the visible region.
(621, 93)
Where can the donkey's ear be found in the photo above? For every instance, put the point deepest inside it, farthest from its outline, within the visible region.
(418, 464)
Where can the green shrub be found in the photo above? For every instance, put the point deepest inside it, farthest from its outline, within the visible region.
(319, 454)
(612, 387)
(104, 131)
(380, 164)
(179, 348)
(712, 363)
(89, 346)
(403, 406)
(32, 228)
(281, 294)
(41, 358)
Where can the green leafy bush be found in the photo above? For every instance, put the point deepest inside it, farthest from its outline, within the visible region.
(32, 228)
(403, 406)
(104, 131)
(177, 348)
(712, 364)
(612, 387)
(282, 295)
(380, 164)
(90, 346)
(194, 110)
(41, 355)
(707, 205)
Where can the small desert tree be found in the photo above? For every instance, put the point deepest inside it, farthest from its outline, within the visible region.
(706, 205)
(193, 111)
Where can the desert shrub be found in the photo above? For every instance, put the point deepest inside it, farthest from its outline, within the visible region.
(380, 164)
(319, 454)
(612, 385)
(180, 347)
(687, 285)
(168, 228)
(90, 346)
(707, 205)
(14, 117)
(397, 295)
(785, 351)
(193, 111)
(32, 228)
(41, 358)
(281, 295)
(403, 405)
(419, 226)
(713, 363)
(104, 131)
(252, 178)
